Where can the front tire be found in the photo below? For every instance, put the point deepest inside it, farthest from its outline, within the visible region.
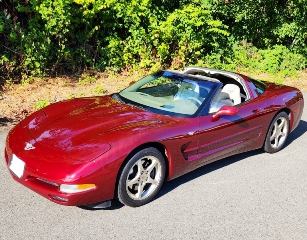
(277, 133)
(141, 178)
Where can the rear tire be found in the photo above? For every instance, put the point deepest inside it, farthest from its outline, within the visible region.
(141, 178)
(277, 133)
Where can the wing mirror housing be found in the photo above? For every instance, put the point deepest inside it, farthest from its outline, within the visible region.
(225, 111)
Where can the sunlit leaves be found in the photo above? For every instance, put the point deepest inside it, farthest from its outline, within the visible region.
(46, 36)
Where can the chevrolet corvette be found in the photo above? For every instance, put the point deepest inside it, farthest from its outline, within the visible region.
(89, 151)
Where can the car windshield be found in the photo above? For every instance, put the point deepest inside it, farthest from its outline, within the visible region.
(169, 93)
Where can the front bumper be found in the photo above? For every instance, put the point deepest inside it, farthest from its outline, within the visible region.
(51, 189)
(44, 173)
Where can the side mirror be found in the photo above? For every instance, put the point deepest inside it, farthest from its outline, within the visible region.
(225, 111)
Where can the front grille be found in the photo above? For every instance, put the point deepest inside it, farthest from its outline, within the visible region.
(42, 183)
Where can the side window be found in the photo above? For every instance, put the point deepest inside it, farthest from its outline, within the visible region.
(259, 86)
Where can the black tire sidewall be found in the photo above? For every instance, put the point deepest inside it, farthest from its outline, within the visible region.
(122, 194)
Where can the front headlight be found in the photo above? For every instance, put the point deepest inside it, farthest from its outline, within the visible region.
(76, 188)
(88, 151)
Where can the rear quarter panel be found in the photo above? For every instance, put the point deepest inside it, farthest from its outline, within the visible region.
(279, 97)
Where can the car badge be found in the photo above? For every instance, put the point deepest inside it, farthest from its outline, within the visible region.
(29, 146)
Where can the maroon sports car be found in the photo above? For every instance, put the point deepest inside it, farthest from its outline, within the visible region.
(92, 150)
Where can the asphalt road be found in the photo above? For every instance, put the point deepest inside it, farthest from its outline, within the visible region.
(250, 196)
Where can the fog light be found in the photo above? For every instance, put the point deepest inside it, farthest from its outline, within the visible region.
(67, 188)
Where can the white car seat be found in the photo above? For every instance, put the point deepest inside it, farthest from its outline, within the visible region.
(221, 99)
(234, 93)
(229, 96)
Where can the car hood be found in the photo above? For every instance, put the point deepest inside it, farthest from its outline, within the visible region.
(87, 127)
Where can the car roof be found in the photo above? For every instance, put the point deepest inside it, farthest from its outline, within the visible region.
(201, 77)
(195, 69)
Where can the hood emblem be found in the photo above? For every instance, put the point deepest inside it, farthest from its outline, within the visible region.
(29, 146)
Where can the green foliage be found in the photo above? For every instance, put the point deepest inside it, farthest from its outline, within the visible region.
(80, 94)
(71, 35)
(266, 23)
(26, 79)
(41, 103)
(40, 37)
(99, 90)
(87, 79)
(272, 60)
(188, 35)
(71, 96)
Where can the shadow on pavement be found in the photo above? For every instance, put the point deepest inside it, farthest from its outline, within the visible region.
(114, 206)
(4, 121)
(298, 132)
(171, 185)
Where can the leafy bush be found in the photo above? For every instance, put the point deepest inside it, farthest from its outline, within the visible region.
(272, 60)
(40, 37)
(70, 35)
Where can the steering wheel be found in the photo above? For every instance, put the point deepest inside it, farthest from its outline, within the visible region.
(195, 99)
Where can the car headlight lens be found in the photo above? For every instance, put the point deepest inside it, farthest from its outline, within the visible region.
(75, 188)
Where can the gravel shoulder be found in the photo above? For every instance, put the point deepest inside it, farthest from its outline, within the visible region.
(17, 101)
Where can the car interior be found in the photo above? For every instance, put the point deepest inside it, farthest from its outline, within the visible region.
(185, 97)
(231, 93)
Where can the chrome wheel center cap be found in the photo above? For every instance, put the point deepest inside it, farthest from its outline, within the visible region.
(144, 177)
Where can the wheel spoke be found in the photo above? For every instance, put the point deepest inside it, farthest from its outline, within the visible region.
(152, 181)
(282, 134)
(281, 124)
(273, 135)
(153, 164)
(138, 195)
(275, 141)
(140, 167)
(135, 180)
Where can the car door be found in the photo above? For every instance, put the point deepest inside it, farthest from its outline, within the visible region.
(231, 134)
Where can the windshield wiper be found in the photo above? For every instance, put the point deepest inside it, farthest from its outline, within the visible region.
(137, 106)
(117, 97)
